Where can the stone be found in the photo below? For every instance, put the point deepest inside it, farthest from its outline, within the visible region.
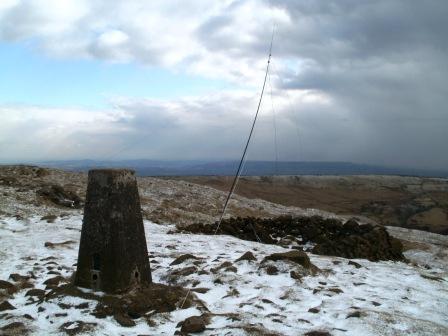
(314, 310)
(331, 237)
(200, 290)
(40, 293)
(113, 255)
(295, 275)
(14, 328)
(272, 270)
(5, 305)
(54, 245)
(54, 281)
(354, 263)
(17, 277)
(186, 271)
(182, 258)
(124, 321)
(226, 265)
(193, 324)
(351, 225)
(317, 333)
(6, 285)
(296, 256)
(354, 314)
(249, 256)
(76, 327)
(60, 196)
(49, 218)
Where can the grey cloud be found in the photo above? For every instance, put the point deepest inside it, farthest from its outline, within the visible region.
(385, 64)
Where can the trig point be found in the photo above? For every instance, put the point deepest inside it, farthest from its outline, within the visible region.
(113, 256)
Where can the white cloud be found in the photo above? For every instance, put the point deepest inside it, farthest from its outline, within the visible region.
(213, 126)
(165, 33)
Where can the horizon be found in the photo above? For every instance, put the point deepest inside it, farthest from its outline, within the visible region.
(153, 167)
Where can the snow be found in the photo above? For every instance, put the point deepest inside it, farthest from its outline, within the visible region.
(392, 298)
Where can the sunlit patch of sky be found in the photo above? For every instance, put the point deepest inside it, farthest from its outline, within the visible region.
(32, 78)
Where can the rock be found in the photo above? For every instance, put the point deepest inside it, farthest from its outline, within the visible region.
(314, 310)
(60, 196)
(76, 327)
(40, 293)
(351, 225)
(249, 256)
(354, 314)
(335, 290)
(124, 321)
(295, 275)
(5, 305)
(83, 305)
(298, 257)
(193, 324)
(226, 265)
(317, 333)
(14, 328)
(332, 237)
(6, 285)
(182, 258)
(431, 277)
(17, 277)
(54, 281)
(186, 271)
(232, 293)
(353, 263)
(53, 245)
(272, 270)
(49, 218)
(200, 290)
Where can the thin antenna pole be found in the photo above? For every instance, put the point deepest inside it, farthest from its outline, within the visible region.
(238, 172)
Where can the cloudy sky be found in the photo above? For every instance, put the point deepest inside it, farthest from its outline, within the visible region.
(361, 81)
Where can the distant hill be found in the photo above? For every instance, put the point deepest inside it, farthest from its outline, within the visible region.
(251, 168)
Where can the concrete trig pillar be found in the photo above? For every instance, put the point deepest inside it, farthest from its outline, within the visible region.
(112, 255)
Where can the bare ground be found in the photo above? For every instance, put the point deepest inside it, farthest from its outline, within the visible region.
(410, 202)
(162, 200)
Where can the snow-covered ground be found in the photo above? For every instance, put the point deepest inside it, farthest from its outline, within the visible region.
(383, 298)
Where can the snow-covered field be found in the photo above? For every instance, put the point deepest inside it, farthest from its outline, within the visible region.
(384, 298)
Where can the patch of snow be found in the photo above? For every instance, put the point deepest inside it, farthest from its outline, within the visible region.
(392, 298)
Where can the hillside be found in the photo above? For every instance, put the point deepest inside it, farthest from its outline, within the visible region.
(40, 223)
(411, 202)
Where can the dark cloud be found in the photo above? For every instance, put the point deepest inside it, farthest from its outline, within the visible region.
(384, 63)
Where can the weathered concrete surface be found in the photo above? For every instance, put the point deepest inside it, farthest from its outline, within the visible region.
(112, 255)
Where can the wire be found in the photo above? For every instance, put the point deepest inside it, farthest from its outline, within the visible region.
(295, 117)
(241, 164)
(274, 120)
(238, 172)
